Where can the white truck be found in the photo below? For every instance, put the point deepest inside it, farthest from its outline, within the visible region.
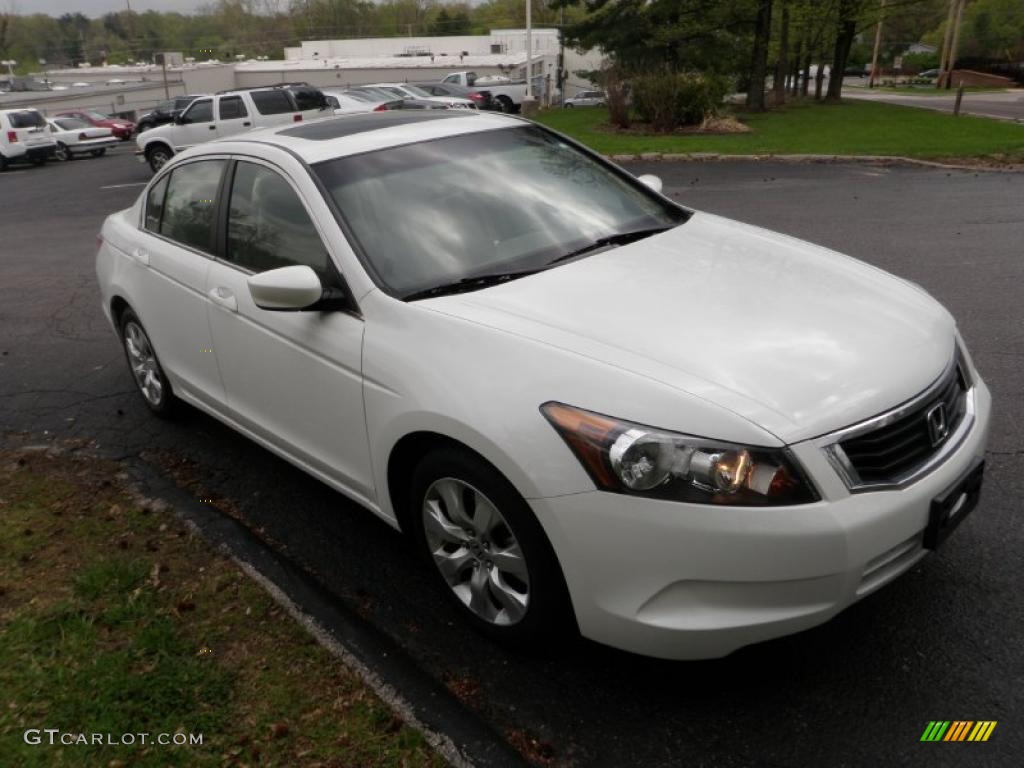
(507, 95)
(24, 137)
(228, 113)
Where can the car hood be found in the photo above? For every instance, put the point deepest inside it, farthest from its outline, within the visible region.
(796, 338)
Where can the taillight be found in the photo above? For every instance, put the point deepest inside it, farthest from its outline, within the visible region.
(476, 96)
(296, 118)
(12, 137)
(381, 108)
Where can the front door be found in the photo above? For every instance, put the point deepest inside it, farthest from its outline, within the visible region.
(197, 125)
(293, 378)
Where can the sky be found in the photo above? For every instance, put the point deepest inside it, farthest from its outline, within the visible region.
(96, 7)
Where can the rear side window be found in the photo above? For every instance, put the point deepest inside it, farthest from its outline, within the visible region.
(272, 102)
(190, 203)
(232, 107)
(268, 226)
(27, 119)
(155, 204)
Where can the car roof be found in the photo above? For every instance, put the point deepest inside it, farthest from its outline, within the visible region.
(331, 137)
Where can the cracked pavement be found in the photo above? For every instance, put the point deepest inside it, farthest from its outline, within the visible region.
(943, 642)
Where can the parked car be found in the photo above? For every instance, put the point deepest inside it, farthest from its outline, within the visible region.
(929, 74)
(855, 72)
(164, 112)
(585, 99)
(675, 432)
(228, 113)
(24, 137)
(481, 98)
(507, 94)
(411, 91)
(122, 129)
(77, 137)
(344, 103)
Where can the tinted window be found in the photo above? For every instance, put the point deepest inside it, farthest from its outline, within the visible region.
(308, 98)
(180, 103)
(190, 203)
(27, 119)
(199, 112)
(231, 107)
(272, 102)
(268, 227)
(332, 101)
(155, 204)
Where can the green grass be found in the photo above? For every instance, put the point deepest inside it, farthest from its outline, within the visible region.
(920, 90)
(847, 128)
(117, 620)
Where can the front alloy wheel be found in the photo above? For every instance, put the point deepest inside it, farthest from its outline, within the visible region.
(476, 552)
(158, 157)
(62, 152)
(149, 376)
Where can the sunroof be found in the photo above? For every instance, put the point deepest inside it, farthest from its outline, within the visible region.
(348, 125)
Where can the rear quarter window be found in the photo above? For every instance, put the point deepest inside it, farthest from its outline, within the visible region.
(308, 98)
(272, 102)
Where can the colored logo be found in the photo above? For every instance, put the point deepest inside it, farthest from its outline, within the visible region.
(958, 730)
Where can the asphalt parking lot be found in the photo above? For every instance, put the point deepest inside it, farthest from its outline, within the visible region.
(943, 642)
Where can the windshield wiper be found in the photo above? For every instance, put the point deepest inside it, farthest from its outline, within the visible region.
(469, 284)
(620, 238)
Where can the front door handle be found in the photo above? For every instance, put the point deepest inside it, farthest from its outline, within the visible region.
(213, 127)
(246, 123)
(224, 297)
(141, 256)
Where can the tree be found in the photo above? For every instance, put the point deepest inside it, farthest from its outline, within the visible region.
(759, 57)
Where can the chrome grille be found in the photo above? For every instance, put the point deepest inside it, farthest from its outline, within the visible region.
(895, 448)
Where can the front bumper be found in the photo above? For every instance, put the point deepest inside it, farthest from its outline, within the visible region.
(687, 581)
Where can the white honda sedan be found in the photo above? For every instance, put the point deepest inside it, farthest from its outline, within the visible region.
(590, 407)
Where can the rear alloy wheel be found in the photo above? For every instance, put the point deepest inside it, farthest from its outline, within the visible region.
(98, 152)
(488, 550)
(149, 376)
(158, 157)
(504, 103)
(63, 153)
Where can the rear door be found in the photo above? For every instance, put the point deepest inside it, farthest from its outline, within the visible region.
(274, 107)
(197, 125)
(172, 257)
(232, 115)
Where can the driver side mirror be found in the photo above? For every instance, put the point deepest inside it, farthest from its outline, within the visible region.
(179, 119)
(651, 181)
(286, 288)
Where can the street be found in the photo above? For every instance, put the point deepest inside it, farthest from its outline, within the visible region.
(942, 642)
(1002, 105)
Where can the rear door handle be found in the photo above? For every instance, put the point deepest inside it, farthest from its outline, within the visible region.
(141, 256)
(213, 127)
(246, 123)
(223, 297)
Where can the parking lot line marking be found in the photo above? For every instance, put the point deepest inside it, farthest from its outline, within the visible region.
(119, 186)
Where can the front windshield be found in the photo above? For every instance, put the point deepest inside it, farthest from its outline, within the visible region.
(513, 199)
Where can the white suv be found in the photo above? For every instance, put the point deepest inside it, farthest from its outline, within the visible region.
(24, 136)
(225, 114)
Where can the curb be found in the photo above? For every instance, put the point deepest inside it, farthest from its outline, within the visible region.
(714, 157)
(454, 731)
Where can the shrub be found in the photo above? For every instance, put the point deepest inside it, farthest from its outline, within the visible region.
(671, 100)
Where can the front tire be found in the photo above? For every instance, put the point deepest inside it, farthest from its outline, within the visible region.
(158, 156)
(149, 377)
(487, 550)
(63, 153)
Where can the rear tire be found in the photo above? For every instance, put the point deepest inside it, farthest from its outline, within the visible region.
(98, 152)
(3, 163)
(158, 156)
(487, 551)
(63, 153)
(149, 377)
(504, 104)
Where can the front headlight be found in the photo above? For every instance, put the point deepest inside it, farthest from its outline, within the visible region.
(624, 457)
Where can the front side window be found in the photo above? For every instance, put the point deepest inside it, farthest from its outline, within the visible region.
(190, 203)
(423, 220)
(268, 226)
(155, 204)
(232, 108)
(199, 112)
(271, 102)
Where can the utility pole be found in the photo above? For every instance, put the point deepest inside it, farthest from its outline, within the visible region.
(878, 45)
(946, 36)
(954, 44)
(529, 106)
